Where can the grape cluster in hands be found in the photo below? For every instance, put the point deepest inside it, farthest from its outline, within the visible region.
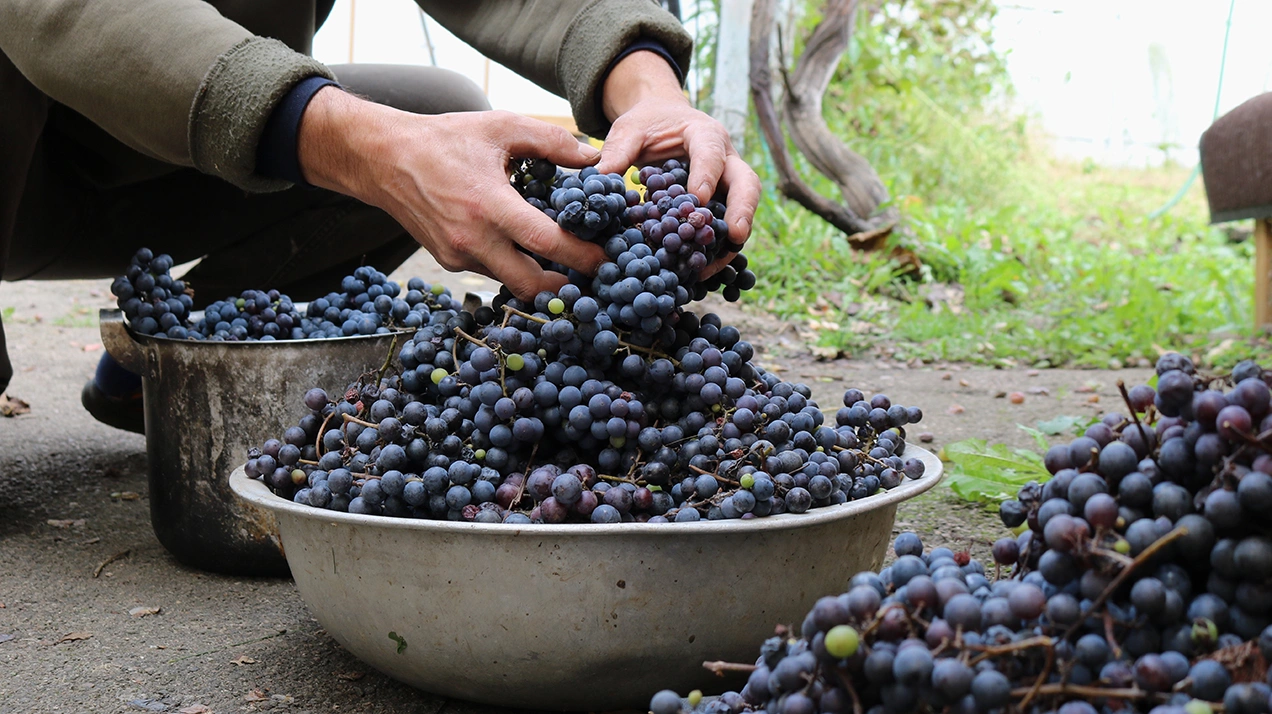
(1140, 581)
(669, 231)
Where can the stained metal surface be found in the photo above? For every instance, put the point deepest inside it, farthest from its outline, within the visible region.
(572, 617)
(206, 403)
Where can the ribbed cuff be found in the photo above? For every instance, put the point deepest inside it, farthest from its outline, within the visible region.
(276, 154)
(235, 102)
(586, 57)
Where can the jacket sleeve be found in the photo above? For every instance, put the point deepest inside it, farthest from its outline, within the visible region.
(173, 79)
(565, 46)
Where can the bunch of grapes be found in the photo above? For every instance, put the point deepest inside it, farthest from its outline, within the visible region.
(368, 303)
(547, 414)
(153, 301)
(669, 236)
(1141, 580)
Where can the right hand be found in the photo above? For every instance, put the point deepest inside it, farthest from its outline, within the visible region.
(444, 178)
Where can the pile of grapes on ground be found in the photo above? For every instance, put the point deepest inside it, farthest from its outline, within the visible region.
(1140, 581)
(604, 402)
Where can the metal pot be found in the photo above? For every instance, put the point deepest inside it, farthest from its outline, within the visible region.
(572, 617)
(206, 403)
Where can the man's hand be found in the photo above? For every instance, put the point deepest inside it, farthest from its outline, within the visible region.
(444, 178)
(653, 121)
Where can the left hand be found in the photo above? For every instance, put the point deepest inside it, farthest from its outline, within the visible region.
(653, 121)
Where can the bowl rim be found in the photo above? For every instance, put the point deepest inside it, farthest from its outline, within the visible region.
(113, 314)
(255, 492)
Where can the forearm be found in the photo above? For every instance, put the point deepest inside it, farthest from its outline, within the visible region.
(173, 79)
(339, 140)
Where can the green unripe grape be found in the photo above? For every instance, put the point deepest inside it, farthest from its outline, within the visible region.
(695, 698)
(618, 442)
(841, 641)
(747, 481)
(515, 362)
(542, 352)
(479, 454)
(556, 306)
(438, 289)
(1196, 706)
(1122, 546)
(1204, 631)
(299, 477)
(240, 303)
(438, 375)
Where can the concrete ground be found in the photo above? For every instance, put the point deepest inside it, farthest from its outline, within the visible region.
(95, 616)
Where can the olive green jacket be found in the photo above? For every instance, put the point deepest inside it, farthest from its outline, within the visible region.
(192, 83)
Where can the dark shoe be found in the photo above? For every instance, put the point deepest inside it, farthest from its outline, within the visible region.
(113, 397)
(120, 412)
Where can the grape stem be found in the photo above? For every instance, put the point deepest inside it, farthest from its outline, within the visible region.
(514, 311)
(470, 338)
(1087, 692)
(1116, 582)
(649, 351)
(852, 691)
(720, 668)
(351, 418)
(321, 431)
(1126, 397)
(719, 476)
(388, 360)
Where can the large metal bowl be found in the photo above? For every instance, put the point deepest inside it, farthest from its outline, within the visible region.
(571, 617)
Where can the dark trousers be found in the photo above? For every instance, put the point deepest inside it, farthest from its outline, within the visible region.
(76, 203)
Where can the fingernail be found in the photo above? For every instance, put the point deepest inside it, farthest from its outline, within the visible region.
(588, 152)
(704, 187)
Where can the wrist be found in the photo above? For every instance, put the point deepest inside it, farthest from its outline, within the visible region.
(335, 140)
(639, 76)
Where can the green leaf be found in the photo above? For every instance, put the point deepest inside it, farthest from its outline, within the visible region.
(1040, 438)
(1063, 423)
(989, 474)
(401, 641)
(1152, 381)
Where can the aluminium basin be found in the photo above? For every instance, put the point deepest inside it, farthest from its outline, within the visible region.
(572, 616)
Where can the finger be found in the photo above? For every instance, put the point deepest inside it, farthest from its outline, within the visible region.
(540, 235)
(707, 151)
(718, 265)
(622, 148)
(519, 272)
(743, 197)
(524, 137)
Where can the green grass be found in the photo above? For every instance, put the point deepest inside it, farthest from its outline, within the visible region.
(1065, 271)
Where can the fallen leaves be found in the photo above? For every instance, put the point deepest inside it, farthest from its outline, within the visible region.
(195, 709)
(143, 611)
(964, 383)
(12, 406)
(927, 437)
(125, 495)
(1016, 398)
(350, 676)
(956, 409)
(255, 695)
(92, 347)
(67, 522)
(74, 637)
(242, 661)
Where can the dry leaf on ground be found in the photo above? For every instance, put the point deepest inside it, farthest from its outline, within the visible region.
(143, 611)
(195, 709)
(243, 660)
(12, 406)
(67, 522)
(73, 637)
(255, 695)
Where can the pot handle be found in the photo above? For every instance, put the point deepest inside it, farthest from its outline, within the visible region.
(119, 342)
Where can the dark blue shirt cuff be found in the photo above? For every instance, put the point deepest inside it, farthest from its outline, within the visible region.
(276, 154)
(640, 44)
